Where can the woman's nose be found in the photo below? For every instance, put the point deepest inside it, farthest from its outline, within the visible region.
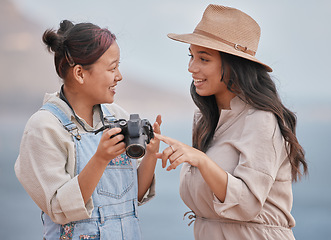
(193, 67)
(118, 76)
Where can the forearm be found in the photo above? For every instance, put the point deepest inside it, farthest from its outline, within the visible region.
(89, 177)
(145, 174)
(215, 177)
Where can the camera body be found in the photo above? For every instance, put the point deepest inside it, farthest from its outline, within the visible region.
(137, 134)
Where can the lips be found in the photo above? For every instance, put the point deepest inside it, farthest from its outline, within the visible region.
(199, 82)
(112, 88)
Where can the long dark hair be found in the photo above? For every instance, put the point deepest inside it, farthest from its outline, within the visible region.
(253, 84)
(82, 43)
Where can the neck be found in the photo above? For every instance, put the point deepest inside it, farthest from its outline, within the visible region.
(79, 104)
(223, 101)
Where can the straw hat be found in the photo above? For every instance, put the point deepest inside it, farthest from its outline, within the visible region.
(227, 30)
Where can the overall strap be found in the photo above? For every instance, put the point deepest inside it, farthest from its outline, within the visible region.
(63, 118)
(106, 113)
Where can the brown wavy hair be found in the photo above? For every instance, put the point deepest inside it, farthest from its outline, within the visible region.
(253, 84)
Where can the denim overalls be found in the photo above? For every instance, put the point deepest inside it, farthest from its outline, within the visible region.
(115, 198)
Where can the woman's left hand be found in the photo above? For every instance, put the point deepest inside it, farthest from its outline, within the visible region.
(178, 152)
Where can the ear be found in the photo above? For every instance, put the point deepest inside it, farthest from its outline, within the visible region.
(78, 74)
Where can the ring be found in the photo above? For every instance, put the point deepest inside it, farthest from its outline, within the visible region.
(173, 150)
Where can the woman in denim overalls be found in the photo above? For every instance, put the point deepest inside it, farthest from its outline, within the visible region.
(84, 183)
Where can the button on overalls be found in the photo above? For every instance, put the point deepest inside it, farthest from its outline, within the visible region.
(115, 198)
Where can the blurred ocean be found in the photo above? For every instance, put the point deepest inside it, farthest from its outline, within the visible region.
(161, 218)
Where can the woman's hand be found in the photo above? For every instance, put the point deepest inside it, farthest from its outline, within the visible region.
(153, 146)
(178, 152)
(111, 144)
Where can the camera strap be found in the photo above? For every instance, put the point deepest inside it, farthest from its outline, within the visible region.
(62, 97)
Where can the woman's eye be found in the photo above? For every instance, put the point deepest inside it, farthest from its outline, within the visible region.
(115, 67)
(201, 58)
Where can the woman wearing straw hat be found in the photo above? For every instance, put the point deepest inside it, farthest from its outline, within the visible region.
(237, 178)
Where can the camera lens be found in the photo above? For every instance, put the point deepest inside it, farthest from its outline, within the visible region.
(135, 151)
(122, 123)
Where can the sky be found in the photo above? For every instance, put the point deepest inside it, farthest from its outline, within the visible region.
(295, 38)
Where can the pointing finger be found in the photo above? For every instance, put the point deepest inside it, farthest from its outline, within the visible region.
(165, 139)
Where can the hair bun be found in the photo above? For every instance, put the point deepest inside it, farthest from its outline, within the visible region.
(65, 25)
(52, 40)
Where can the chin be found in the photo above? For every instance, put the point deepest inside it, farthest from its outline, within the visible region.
(107, 101)
(203, 94)
(110, 101)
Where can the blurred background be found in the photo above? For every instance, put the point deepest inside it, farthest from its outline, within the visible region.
(295, 42)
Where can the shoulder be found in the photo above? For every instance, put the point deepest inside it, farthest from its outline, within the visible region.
(264, 118)
(43, 123)
(260, 122)
(43, 136)
(42, 119)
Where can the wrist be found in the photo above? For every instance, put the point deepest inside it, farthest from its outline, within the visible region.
(99, 160)
(150, 155)
(203, 161)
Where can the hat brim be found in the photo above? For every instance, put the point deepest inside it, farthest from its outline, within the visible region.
(204, 41)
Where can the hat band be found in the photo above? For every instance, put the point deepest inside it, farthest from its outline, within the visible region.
(234, 45)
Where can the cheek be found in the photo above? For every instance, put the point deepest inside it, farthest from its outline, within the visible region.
(214, 76)
(106, 79)
(217, 73)
(110, 76)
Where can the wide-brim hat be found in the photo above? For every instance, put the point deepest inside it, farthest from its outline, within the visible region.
(227, 30)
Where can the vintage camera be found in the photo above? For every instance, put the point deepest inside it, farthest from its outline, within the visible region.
(137, 133)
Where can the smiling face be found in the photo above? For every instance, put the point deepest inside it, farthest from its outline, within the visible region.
(101, 78)
(206, 67)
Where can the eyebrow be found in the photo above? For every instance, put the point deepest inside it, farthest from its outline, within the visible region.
(201, 52)
(111, 63)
